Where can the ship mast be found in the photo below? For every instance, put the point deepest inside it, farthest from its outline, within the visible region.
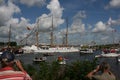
(9, 38)
(37, 32)
(66, 35)
(52, 32)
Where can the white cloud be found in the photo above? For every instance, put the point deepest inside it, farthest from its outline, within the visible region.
(45, 21)
(19, 30)
(18, 26)
(33, 2)
(99, 27)
(80, 15)
(75, 28)
(113, 4)
(77, 25)
(7, 11)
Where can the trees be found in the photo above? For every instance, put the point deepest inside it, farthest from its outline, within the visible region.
(54, 71)
(6, 43)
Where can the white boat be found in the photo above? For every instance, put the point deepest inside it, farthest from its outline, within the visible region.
(62, 62)
(107, 55)
(37, 60)
(48, 49)
(118, 60)
(86, 51)
(0, 53)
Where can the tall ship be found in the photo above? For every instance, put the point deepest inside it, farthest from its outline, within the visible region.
(52, 48)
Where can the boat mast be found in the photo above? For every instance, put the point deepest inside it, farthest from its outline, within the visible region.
(113, 36)
(9, 36)
(37, 32)
(66, 35)
(52, 32)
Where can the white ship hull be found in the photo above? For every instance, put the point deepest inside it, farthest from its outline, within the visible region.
(50, 50)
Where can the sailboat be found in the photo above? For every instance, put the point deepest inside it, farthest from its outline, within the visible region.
(52, 48)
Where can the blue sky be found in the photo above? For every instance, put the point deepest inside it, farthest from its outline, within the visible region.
(88, 20)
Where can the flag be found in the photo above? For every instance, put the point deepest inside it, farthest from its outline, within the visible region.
(28, 28)
(109, 21)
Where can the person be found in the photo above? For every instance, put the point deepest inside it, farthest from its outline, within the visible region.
(105, 74)
(60, 58)
(7, 70)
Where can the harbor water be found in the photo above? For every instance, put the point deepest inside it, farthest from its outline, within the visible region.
(72, 57)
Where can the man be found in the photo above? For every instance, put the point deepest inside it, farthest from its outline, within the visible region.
(106, 74)
(7, 71)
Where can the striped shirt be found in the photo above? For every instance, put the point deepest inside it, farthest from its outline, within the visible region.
(8, 73)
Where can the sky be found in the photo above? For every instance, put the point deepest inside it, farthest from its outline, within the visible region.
(89, 21)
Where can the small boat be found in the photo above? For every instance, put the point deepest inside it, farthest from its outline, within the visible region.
(37, 60)
(86, 51)
(118, 60)
(0, 53)
(108, 54)
(61, 60)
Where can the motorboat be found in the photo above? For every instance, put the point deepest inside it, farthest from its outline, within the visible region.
(86, 51)
(0, 53)
(61, 60)
(108, 55)
(41, 59)
(111, 53)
